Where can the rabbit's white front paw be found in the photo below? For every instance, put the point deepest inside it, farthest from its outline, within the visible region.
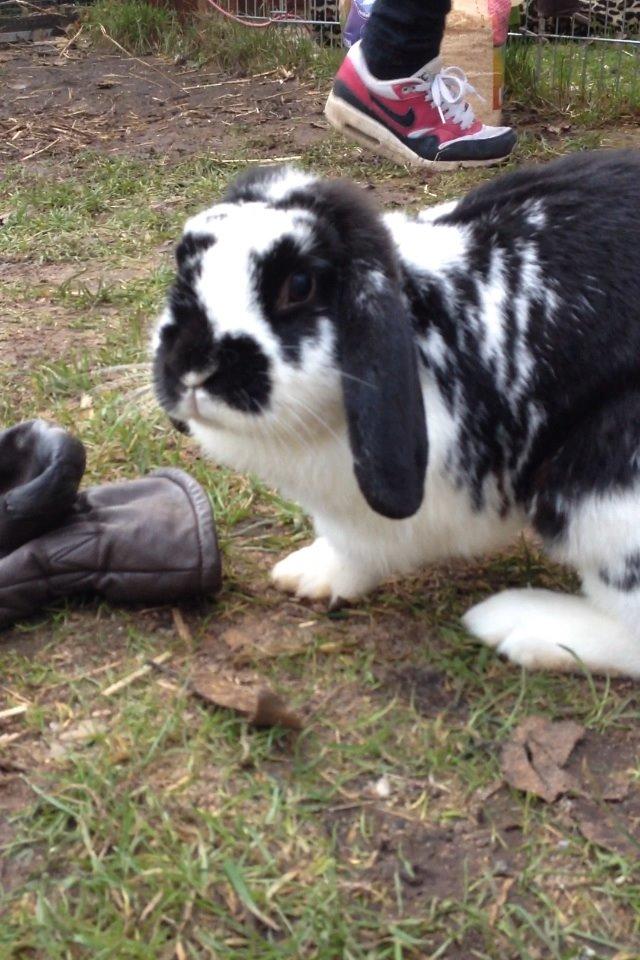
(319, 572)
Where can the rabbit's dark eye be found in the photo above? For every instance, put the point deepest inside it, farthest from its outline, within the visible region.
(300, 287)
(297, 289)
(169, 334)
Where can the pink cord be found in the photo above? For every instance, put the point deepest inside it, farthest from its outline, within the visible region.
(248, 23)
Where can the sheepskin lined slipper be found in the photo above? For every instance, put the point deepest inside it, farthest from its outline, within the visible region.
(151, 540)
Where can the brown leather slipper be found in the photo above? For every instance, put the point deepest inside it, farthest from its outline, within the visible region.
(151, 540)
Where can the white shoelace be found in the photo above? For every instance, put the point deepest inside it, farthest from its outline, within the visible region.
(448, 91)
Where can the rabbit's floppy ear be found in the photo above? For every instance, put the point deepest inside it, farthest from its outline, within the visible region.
(383, 398)
(377, 353)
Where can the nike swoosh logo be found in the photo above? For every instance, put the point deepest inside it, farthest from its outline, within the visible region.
(404, 119)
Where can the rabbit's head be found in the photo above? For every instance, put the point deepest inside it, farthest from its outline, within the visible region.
(287, 317)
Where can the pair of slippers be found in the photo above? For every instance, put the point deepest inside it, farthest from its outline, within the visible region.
(151, 540)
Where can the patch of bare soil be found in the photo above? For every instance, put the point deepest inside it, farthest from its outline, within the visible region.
(624, 138)
(431, 860)
(93, 636)
(426, 859)
(42, 334)
(56, 103)
(47, 332)
(430, 691)
(89, 276)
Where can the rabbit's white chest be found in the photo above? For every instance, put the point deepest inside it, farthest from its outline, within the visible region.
(321, 479)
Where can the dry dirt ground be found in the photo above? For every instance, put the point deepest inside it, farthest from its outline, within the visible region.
(57, 102)
(53, 106)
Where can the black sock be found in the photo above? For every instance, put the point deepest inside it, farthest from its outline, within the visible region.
(403, 35)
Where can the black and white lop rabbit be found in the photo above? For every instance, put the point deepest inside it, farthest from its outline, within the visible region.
(425, 385)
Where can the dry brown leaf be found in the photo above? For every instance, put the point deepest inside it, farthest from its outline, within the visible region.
(261, 706)
(119, 749)
(597, 825)
(532, 760)
(616, 788)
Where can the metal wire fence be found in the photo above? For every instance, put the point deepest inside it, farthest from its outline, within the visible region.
(592, 56)
(321, 18)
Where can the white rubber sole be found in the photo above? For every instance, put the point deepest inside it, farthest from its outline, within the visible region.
(376, 137)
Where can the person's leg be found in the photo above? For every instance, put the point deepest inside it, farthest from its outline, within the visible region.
(401, 37)
(393, 96)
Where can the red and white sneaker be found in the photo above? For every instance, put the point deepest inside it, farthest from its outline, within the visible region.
(422, 120)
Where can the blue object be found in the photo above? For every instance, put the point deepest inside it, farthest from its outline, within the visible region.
(357, 21)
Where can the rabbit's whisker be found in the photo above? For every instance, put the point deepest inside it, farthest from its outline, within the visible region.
(282, 431)
(120, 367)
(147, 390)
(305, 436)
(119, 385)
(316, 416)
(350, 376)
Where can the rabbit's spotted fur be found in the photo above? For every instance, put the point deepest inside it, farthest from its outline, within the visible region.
(426, 385)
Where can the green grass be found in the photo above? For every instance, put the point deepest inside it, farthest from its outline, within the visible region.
(209, 39)
(591, 83)
(175, 830)
(141, 27)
